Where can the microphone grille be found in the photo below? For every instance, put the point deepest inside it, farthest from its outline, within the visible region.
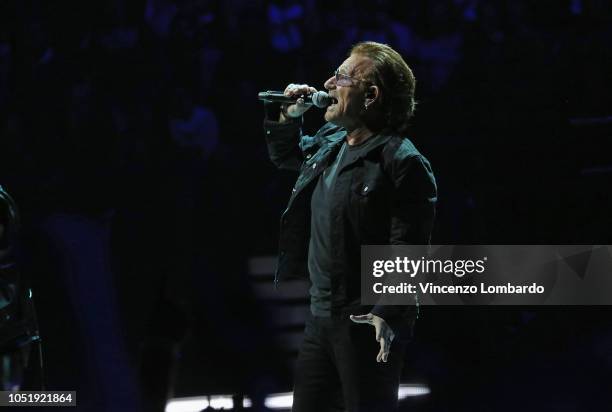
(321, 99)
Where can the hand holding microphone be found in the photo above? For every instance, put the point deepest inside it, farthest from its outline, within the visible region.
(300, 106)
(296, 99)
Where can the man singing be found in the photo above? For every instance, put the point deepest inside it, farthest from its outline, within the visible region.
(361, 182)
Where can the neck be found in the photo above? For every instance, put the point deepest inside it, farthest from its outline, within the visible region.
(358, 135)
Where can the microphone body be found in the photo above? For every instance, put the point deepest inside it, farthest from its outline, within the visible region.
(320, 99)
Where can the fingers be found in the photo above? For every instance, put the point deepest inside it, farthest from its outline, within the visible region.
(300, 106)
(385, 348)
(381, 352)
(298, 90)
(380, 355)
(384, 334)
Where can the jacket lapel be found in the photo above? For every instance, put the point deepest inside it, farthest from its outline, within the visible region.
(316, 164)
(381, 140)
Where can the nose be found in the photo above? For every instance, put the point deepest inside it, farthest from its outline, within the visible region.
(330, 83)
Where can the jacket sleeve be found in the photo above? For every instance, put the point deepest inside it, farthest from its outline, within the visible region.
(412, 216)
(413, 204)
(283, 140)
(287, 146)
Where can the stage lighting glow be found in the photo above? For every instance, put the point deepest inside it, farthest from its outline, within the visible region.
(411, 389)
(197, 403)
(192, 404)
(221, 402)
(277, 401)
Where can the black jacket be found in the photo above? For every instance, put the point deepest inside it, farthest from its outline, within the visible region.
(391, 198)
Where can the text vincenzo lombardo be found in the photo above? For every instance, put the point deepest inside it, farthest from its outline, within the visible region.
(458, 268)
(429, 287)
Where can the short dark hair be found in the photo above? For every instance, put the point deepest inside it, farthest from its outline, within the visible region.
(395, 79)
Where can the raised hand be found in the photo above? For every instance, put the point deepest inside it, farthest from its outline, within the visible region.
(299, 107)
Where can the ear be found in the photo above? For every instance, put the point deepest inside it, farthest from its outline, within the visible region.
(372, 94)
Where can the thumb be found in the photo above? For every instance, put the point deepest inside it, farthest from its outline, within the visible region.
(301, 104)
(361, 318)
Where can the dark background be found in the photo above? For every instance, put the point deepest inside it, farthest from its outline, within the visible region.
(130, 137)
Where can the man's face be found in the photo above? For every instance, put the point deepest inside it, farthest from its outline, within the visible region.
(348, 92)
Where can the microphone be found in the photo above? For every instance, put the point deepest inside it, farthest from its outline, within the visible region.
(319, 99)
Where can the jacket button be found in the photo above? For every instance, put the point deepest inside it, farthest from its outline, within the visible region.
(308, 156)
(314, 165)
(365, 188)
(293, 190)
(268, 132)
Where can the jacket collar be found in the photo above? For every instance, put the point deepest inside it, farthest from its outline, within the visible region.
(333, 142)
(340, 135)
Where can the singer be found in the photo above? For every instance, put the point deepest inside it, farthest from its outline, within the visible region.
(361, 181)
